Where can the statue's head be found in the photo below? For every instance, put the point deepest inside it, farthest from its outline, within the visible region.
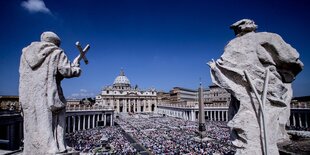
(243, 26)
(50, 37)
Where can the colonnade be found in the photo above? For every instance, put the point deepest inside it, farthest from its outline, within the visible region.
(192, 114)
(82, 121)
(299, 119)
(217, 115)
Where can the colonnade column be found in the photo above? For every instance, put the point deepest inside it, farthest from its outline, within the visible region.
(97, 119)
(105, 120)
(93, 121)
(73, 123)
(294, 120)
(299, 118)
(111, 120)
(79, 122)
(193, 115)
(84, 122)
(88, 121)
(222, 115)
(227, 116)
(306, 120)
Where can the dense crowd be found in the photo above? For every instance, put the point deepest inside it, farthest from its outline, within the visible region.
(298, 128)
(158, 135)
(87, 141)
(168, 135)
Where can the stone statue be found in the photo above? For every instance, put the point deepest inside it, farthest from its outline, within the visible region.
(255, 53)
(43, 65)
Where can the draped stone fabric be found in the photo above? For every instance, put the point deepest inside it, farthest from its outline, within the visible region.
(256, 52)
(42, 67)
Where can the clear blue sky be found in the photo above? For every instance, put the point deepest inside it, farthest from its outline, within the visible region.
(159, 43)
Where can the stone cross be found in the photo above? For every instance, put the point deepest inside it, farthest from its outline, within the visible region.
(82, 52)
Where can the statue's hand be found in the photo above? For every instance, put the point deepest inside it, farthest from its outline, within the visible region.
(211, 64)
(76, 61)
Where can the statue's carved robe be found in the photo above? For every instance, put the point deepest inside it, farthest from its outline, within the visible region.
(42, 67)
(255, 52)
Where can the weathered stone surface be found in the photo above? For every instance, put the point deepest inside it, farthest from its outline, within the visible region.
(42, 67)
(256, 52)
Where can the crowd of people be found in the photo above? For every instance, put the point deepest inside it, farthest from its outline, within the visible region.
(168, 135)
(87, 141)
(158, 135)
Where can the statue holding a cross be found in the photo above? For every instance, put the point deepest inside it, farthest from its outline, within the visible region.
(43, 65)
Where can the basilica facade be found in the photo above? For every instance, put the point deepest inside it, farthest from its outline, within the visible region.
(125, 99)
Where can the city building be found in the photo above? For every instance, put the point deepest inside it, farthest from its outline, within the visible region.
(125, 99)
(214, 96)
(184, 96)
(183, 103)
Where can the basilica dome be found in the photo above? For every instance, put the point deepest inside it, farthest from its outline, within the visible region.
(121, 81)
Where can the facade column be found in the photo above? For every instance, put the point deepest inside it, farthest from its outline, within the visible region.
(124, 105)
(138, 105)
(129, 105)
(79, 123)
(117, 106)
(84, 122)
(88, 122)
(134, 105)
(102, 119)
(144, 105)
(69, 124)
(149, 104)
(212, 115)
(73, 123)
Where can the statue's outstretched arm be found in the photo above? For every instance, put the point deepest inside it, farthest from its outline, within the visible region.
(66, 68)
